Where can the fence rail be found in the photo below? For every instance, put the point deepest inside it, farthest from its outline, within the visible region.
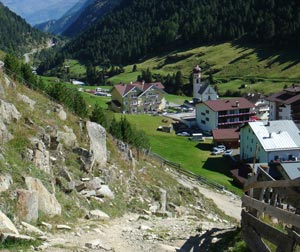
(277, 199)
(186, 172)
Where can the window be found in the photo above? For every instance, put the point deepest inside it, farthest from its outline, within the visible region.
(207, 111)
(203, 122)
(202, 113)
(207, 119)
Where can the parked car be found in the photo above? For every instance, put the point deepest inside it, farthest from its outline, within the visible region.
(221, 147)
(217, 151)
(227, 152)
(184, 133)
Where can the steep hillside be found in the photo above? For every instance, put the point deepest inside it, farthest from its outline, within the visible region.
(36, 12)
(89, 16)
(16, 35)
(59, 169)
(60, 25)
(138, 28)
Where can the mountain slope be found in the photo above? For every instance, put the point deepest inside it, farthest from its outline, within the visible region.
(16, 34)
(35, 11)
(137, 28)
(61, 24)
(94, 11)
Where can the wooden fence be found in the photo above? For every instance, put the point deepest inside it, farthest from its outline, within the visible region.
(271, 213)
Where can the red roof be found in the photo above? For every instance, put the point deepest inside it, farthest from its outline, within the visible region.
(229, 104)
(226, 134)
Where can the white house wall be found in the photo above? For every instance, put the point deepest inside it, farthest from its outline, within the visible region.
(209, 94)
(285, 113)
(207, 119)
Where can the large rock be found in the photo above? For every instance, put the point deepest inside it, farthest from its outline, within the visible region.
(5, 135)
(9, 83)
(60, 112)
(39, 155)
(47, 202)
(98, 215)
(105, 192)
(67, 137)
(2, 90)
(15, 238)
(26, 100)
(8, 112)
(6, 225)
(97, 135)
(27, 205)
(5, 182)
(95, 183)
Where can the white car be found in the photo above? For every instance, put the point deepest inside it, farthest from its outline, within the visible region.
(227, 152)
(217, 151)
(183, 134)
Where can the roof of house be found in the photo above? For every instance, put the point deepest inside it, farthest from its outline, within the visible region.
(292, 169)
(124, 89)
(276, 135)
(229, 104)
(287, 96)
(223, 134)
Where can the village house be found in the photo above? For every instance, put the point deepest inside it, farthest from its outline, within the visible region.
(285, 105)
(261, 105)
(138, 97)
(202, 91)
(225, 113)
(270, 141)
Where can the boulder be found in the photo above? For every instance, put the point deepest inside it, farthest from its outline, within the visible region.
(6, 225)
(60, 112)
(95, 183)
(8, 112)
(65, 227)
(27, 100)
(39, 155)
(105, 192)
(47, 202)
(97, 135)
(2, 90)
(67, 137)
(9, 83)
(5, 182)
(8, 237)
(98, 215)
(31, 229)
(5, 135)
(27, 205)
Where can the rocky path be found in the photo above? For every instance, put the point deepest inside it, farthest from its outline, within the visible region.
(144, 233)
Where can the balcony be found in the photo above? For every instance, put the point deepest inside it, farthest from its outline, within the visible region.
(236, 115)
(233, 123)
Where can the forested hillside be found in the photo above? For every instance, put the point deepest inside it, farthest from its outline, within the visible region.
(137, 27)
(15, 34)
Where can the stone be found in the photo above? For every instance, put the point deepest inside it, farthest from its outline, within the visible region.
(6, 225)
(163, 200)
(47, 225)
(9, 83)
(5, 135)
(144, 228)
(66, 227)
(94, 244)
(60, 112)
(155, 206)
(98, 215)
(27, 100)
(95, 183)
(31, 229)
(5, 182)
(97, 135)
(15, 237)
(65, 174)
(2, 90)
(105, 192)
(67, 137)
(27, 205)
(8, 112)
(47, 202)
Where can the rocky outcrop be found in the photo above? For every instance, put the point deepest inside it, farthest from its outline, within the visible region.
(39, 155)
(6, 225)
(60, 112)
(8, 112)
(5, 135)
(47, 202)
(27, 205)
(5, 182)
(105, 192)
(27, 100)
(97, 214)
(2, 90)
(9, 83)
(97, 135)
(67, 137)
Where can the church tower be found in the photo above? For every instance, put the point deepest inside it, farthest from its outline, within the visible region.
(196, 82)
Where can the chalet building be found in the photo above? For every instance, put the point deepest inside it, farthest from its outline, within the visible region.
(225, 113)
(202, 91)
(285, 105)
(138, 97)
(270, 141)
(261, 105)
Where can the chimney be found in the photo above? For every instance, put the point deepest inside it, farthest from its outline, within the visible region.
(237, 103)
(270, 134)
